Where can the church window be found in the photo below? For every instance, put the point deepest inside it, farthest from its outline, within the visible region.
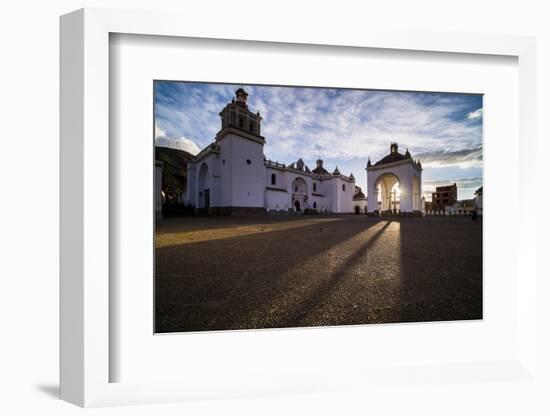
(252, 126)
(241, 122)
(273, 179)
(248, 161)
(233, 117)
(296, 188)
(344, 187)
(314, 187)
(315, 205)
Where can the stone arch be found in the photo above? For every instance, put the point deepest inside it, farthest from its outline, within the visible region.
(386, 195)
(299, 185)
(299, 193)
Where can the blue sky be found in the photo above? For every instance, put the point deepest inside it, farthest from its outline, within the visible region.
(343, 127)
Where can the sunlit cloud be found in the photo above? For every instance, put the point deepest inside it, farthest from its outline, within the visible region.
(475, 114)
(180, 143)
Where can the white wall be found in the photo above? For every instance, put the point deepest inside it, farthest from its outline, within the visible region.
(339, 201)
(247, 180)
(225, 171)
(322, 202)
(30, 82)
(361, 203)
(277, 200)
(346, 196)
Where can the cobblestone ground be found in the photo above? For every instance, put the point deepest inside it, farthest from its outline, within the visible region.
(272, 272)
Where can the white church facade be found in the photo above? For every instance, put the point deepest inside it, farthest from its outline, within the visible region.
(232, 175)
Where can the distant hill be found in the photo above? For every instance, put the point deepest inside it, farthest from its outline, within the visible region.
(174, 177)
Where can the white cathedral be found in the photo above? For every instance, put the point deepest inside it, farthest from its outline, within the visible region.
(232, 175)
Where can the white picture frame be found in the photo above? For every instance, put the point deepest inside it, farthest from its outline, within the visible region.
(85, 220)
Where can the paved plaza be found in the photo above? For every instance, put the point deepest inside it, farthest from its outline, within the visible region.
(221, 273)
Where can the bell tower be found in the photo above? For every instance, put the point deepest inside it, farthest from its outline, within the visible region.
(237, 115)
(242, 170)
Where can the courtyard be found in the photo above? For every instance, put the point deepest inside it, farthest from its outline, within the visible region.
(224, 273)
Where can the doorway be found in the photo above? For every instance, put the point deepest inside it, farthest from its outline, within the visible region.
(207, 199)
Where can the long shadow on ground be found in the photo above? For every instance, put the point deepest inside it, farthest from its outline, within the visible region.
(252, 281)
(355, 271)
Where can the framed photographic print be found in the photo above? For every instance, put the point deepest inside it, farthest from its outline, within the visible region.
(251, 236)
(281, 213)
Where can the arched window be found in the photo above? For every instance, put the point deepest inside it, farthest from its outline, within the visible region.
(273, 179)
(315, 205)
(344, 187)
(314, 187)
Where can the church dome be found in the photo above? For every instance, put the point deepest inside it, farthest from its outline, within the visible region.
(358, 193)
(320, 170)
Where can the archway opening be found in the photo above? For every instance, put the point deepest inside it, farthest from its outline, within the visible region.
(297, 206)
(388, 194)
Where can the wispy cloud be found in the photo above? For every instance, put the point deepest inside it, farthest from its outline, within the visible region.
(344, 127)
(463, 158)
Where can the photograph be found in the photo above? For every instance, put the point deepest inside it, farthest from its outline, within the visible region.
(291, 206)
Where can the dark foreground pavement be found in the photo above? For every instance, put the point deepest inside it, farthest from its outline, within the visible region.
(271, 272)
